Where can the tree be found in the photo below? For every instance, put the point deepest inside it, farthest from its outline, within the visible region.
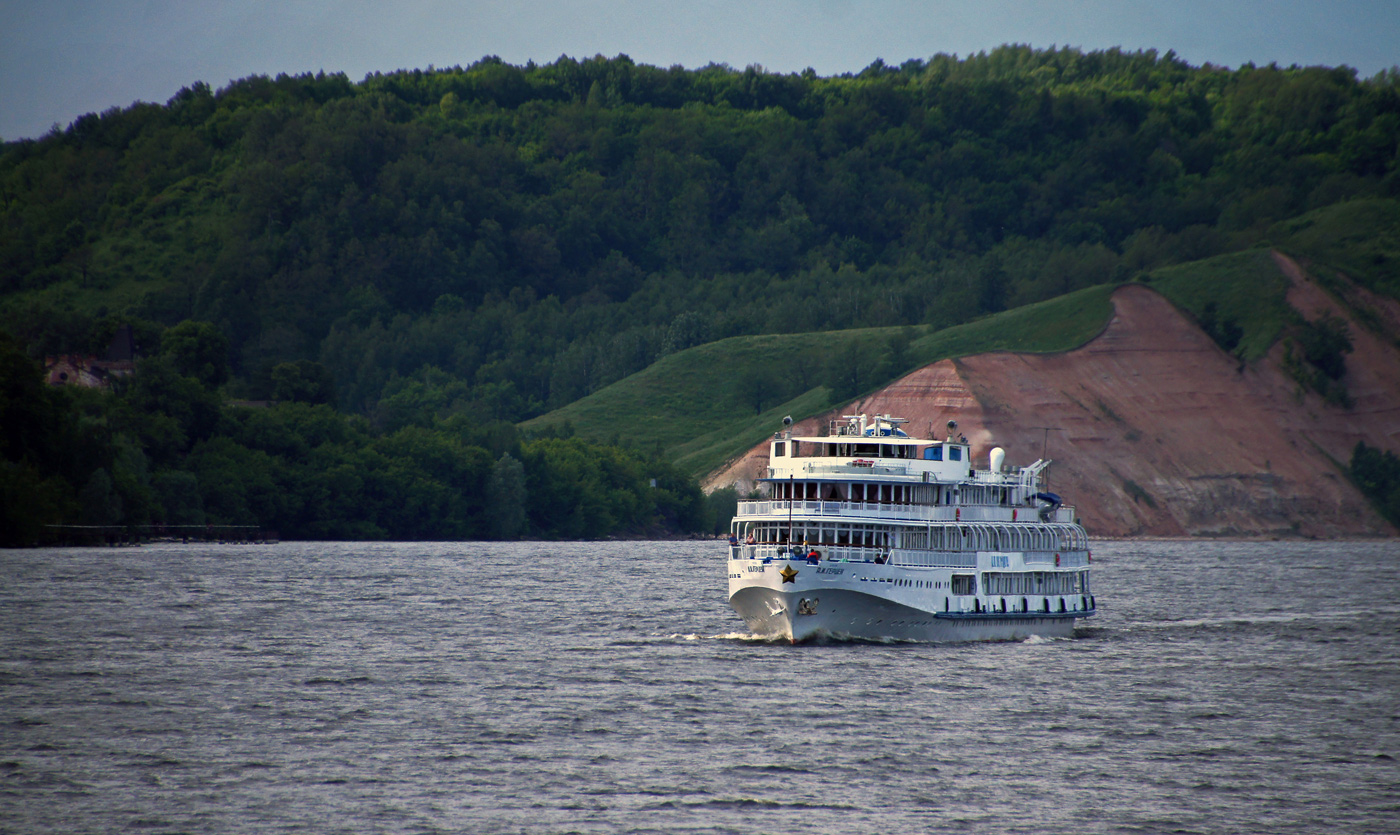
(1226, 333)
(198, 350)
(1325, 344)
(29, 500)
(303, 381)
(721, 506)
(101, 504)
(28, 417)
(895, 359)
(849, 371)
(758, 386)
(506, 496)
(1377, 473)
(168, 411)
(686, 331)
(178, 493)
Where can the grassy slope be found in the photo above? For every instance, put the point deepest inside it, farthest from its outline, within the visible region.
(1059, 324)
(690, 403)
(1360, 238)
(686, 404)
(1247, 287)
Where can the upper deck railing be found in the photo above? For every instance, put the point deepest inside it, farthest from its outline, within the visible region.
(858, 511)
(914, 468)
(861, 554)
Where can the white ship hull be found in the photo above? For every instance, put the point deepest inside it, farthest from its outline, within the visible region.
(865, 601)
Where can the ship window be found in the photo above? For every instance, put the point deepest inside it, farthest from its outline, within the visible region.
(954, 453)
(933, 453)
(779, 449)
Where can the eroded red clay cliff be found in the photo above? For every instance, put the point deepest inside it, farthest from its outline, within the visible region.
(1154, 430)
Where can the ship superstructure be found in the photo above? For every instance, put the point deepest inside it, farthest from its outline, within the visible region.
(867, 532)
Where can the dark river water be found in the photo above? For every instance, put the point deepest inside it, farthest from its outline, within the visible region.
(607, 687)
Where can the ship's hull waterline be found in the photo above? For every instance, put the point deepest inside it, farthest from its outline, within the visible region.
(841, 614)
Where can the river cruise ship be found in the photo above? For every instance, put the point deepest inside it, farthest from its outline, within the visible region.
(868, 533)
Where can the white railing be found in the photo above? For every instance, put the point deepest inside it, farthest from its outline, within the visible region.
(936, 559)
(863, 554)
(828, 553)
(848, 467)
(805, 509)
(905, 558)
(927, 471)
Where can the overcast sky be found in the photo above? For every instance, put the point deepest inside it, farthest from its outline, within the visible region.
(60, 59)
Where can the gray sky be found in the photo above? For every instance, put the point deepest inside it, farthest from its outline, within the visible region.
(60, 59)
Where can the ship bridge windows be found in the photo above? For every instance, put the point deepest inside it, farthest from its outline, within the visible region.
(864, 450)
(779, 449)
(934, 453)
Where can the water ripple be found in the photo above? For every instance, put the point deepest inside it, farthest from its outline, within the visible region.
(411, 687)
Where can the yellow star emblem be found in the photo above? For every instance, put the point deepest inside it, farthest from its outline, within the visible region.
(788, 573)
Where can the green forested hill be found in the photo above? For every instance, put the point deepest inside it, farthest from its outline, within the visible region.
(437, 252)
(507, 239)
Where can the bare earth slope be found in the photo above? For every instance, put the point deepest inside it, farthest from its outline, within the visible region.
(1156, 431)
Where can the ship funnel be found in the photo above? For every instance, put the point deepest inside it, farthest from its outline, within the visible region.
(998, 458)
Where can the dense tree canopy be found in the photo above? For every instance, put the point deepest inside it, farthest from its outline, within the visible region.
(501, 239)
(162, 450)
